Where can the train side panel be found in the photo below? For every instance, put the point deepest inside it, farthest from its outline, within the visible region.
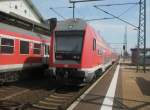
(16, 57)
(90, 57)
(13, 63)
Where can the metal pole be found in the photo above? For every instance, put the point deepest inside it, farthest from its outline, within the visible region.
(144, 36)
(73, 10)
(138, 34)
(138, 39)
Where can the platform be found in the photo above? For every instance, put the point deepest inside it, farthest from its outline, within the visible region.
(126, 90)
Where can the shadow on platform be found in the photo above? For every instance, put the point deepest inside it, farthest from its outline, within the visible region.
(118, 102)
(144, 85)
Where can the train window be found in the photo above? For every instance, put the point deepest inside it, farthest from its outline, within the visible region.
(100, 52)
(16, 7)
(6, 45)
(25, 11)
(24, 47)
(94, 44)
(37, 48)
(69, 43)
(46, 49)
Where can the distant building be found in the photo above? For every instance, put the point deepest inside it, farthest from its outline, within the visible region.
(138, 56)
(24, 8)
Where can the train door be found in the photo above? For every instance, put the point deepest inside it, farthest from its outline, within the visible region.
(46, 54)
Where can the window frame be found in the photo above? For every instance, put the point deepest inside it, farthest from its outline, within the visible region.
(1, 37)
(20, 47)
(100, 51)
(94, 44)
(33, 48)
(45, 53)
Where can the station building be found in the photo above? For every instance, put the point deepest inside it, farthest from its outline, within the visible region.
(139, 56)
(23, 8)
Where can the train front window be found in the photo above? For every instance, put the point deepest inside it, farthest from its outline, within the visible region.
(71, 44)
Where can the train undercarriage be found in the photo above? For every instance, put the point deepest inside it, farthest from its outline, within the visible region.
(14, 75)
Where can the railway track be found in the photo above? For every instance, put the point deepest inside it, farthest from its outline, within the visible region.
(21, 95)
(62, 97)
(37, 97)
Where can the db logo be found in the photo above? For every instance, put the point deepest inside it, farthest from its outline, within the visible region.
(65, 65)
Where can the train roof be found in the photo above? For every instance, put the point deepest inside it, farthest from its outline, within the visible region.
(24, 23)
(21, 31)
(71, 24)
(78, 24)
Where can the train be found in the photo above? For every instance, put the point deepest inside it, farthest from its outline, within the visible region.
(24, 46)
(77, 52)
(69, 49)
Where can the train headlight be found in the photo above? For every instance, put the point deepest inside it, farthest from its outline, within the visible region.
(78, 57)
(75, 57)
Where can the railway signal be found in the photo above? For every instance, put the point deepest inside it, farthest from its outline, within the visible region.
(53, 23)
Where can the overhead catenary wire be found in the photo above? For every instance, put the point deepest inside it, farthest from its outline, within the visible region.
(115, 16)
(119, 4)
(128, 9)
(97, 19)
(78, 1)
(57, 13)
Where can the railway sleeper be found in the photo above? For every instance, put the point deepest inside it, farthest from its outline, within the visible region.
(45, 107)
(54, 101)
(9, 105)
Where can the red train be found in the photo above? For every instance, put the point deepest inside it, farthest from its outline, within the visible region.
(24, 45)
(77, 52)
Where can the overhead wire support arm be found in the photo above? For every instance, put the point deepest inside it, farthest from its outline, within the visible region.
(96, 19)
(57, 13)
(108, 18)
(136, 3)
(77, 1)
(116, 17)
(62, 7)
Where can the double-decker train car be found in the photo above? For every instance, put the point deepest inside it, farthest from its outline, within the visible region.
(77, 52)
(24, 46)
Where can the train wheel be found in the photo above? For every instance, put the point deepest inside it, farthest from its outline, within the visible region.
(1, 83)
(58, 79)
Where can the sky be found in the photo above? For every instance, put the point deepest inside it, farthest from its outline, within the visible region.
(112, 30)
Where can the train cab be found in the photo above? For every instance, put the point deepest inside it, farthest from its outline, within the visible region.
(77, 51)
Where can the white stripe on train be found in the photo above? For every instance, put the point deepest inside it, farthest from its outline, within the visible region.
(14, 66)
